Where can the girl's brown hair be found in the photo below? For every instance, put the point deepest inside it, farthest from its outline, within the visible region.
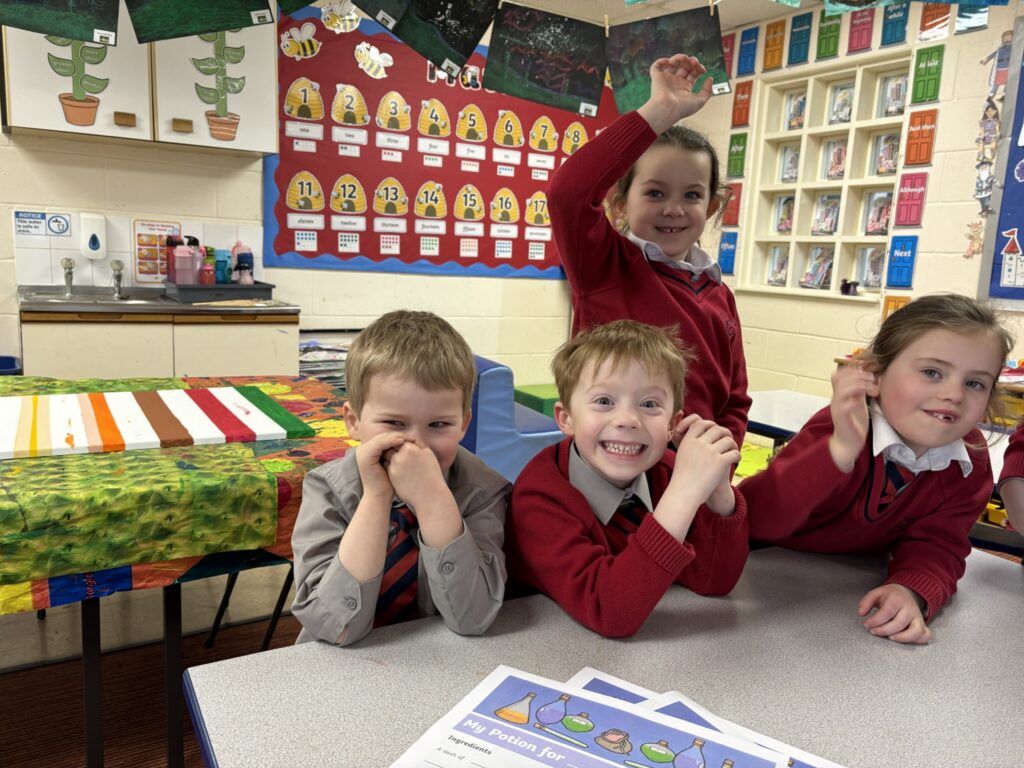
(948, 311)
(681, 137)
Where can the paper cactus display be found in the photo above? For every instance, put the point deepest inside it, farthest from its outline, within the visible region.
(223, 124)
(78, 105)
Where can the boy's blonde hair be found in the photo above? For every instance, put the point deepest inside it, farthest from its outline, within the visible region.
(658, 350)
(419, 346)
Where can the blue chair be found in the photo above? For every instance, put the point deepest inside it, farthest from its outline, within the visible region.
(503, 433)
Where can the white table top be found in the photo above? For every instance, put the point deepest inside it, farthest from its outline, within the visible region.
(784, 654)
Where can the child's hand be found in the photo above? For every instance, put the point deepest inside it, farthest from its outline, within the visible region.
(722, 500)
(1011, 491)
(372, 458)
(415, 474)
(851, 386)
(706, 452)
(672, 97)
(896, 616)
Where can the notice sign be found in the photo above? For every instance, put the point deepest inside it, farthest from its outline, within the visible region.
(39, 224)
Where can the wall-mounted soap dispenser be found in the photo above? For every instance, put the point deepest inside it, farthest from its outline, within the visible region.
(93, 227)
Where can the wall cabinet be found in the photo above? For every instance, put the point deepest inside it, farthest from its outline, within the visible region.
(152, 92)
(112, 345)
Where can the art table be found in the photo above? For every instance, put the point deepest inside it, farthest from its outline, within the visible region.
(76, 528)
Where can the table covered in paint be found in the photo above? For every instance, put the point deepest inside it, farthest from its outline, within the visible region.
(87, 525)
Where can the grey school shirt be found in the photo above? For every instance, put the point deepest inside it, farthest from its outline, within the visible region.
(464, 582)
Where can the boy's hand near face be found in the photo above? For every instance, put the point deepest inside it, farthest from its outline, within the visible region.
(372, 458)
(417, 479)
(701, 475)
(851, 386)
(896, 614)
(672, 97)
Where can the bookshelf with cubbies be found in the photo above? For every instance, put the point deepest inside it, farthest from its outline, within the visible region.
(824, 177)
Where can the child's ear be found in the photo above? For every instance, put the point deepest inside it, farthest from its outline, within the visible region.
(351, 420)
(563, 419)
(467, 417)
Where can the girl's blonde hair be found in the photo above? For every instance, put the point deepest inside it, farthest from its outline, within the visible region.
(948, 311)
(680, 137)
(658, 350)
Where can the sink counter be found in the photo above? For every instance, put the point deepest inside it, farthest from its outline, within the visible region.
(137, 301)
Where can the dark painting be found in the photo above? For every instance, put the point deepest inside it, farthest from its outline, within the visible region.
(385, 12)
(166, 19)
(92, 20)
(445, 32)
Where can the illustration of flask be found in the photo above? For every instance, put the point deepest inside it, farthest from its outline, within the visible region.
(728, 763)
(658, 752)
(580, 723)
(553, 713)
(519, 712)
(692, 757)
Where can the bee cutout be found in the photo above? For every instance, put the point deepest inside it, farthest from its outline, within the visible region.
(390, 198)
(537, 210)
(574, 138)
(299, 43)
(434, 119)
(509, 131)
(469, 204)
(472, 126)
(430, 202)
(349, 107)
(303, 100)
(305, 193)
(348, 196)
(373, 62)
(504, 208)
(543, 136)
(393, 112)
(340, 16)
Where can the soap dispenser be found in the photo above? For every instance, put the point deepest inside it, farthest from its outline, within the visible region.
(93, 227)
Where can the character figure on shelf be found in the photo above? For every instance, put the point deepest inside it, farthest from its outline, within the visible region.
(1000, 71)
(988, 132)
(984, 184)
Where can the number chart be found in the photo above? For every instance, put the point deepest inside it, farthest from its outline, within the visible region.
(389, 164)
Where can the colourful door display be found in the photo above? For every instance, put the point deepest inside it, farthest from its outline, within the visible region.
(748, 52)
(800, 39)
(741, 104)
(902, 253)
(737, 155)
(774, 41)
(731, 214)
(728, 43)
(862, 26)
(828, 35)
(921, 137)
(910, 199)
(933, 16)
(894, 23)
(727, 252)
(927, 74)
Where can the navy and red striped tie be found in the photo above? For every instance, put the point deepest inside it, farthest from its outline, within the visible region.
(397, 599)
(628, 515)
(897, 477)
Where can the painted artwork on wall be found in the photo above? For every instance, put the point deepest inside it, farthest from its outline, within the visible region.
(632, 48)
(862, 28)
(93, 21)
(445, 32)
(384, 12)
(546, 58)
(736, 162)
(402, 168)
(910, 199)
(741, 104)
(166, 19)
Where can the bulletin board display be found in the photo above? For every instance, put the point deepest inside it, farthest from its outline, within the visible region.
(388, 164)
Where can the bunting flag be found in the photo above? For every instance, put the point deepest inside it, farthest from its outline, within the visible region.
(102, 422)
(843, 6)
(790, 3)
(94, 21)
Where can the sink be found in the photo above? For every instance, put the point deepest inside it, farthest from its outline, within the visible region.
(87, 295)
(31, 298)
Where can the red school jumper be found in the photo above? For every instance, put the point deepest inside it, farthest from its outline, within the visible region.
(607, 582)
(804, 501)
(611, 279)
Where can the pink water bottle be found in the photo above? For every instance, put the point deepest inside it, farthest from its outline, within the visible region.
(236, 249)
(184, 269)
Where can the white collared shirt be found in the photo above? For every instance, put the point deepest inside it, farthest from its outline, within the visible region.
(698, 260)
(885, 439)
(603, 497)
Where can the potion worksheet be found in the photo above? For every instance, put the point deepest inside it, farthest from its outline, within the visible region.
(513, 719)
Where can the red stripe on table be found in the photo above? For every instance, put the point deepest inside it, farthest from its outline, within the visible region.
(234, 430)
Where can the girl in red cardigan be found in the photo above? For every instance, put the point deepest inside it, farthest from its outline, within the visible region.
(895, 464)
(665, 185)
(1010, 490)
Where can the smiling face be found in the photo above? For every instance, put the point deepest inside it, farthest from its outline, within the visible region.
(936, 390)
(669, 200)
(620, 418)
(434, 420)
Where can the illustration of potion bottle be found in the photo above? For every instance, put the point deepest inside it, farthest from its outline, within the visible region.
(519, 712)
(728, 763)
(658, 752)
(553, 713)
(692, 757)
(580, 723)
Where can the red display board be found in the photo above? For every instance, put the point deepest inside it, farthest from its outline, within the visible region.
(388, 164)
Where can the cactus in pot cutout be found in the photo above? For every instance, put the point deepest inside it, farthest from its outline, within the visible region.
(223, 124)
(79, 106)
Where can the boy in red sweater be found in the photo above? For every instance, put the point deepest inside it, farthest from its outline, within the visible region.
(664, 185)
(605, 521)
(896, 463)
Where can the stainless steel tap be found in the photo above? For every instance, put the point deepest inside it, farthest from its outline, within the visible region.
(69, 274)
(117, 267)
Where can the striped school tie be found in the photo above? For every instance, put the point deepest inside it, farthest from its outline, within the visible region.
(628, 515)
(397, 599)
(897, 477)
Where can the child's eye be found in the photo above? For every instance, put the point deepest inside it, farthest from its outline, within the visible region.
(440, 424)
(650, 404)
(694, 196)
(978, 386)
(931, 373)
(603, 400)
(655, 193)
(393, 423)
